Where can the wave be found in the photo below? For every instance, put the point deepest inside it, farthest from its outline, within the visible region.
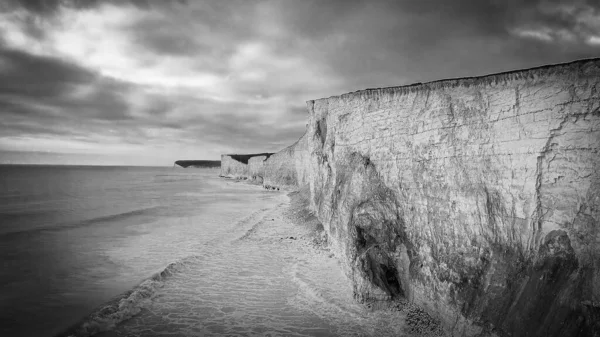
(120, 216)
(88, 222)
(177, 177)
(126, 305)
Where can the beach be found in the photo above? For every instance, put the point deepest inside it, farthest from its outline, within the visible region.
(163, 252)
(283, 281)
(275, 277)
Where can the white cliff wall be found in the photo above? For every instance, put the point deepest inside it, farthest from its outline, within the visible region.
(233, 168)
(477, 198)
(288, 167)
(301, 160)
(238, 165)
(256, 168)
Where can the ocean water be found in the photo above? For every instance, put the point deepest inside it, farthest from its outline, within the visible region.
(140, 251)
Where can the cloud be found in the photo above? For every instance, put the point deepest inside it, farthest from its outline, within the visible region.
(385, 43)
(542, 35)
(155, 38)
(49, 87)
(32, 76)
(594, 40)
(168, 80)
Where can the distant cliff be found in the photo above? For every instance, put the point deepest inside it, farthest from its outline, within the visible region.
(288, 167)
(198, 163)
(237, 165)
(475, 198)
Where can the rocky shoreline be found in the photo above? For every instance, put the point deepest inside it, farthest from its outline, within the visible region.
(417, 321)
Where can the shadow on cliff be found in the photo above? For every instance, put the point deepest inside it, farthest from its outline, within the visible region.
(506, 292)
(367, 216)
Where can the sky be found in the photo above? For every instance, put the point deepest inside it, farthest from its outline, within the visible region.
(151, 82)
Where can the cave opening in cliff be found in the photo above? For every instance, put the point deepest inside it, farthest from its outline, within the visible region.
(378, 267)
(361, 241)
(389, 276)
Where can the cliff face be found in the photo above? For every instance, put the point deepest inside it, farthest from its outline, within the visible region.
(476, 198)
(237, 165)
(288, 167)
(256, 168)
(232, 168)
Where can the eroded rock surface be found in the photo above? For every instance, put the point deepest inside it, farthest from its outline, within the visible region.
(476, 198)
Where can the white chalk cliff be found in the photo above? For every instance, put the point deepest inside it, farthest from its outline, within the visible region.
(476, 198)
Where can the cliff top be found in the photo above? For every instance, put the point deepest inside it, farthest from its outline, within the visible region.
(573, 67)
(243, 158)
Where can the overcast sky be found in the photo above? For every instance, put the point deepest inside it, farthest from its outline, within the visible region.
(150, 82)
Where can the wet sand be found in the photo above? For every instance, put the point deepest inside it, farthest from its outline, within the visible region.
(273, 277)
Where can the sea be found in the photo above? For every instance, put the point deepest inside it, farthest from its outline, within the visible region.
(160, 251)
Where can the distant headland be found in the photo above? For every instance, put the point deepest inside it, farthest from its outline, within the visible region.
(198, 163)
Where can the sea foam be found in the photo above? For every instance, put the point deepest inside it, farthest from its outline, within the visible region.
(126, 305)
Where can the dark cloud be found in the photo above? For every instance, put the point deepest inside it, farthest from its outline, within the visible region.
(20, 127)
(208, 30)
(39, 14)
(47, 7)
(39, 96)
(163, 38)
(107, 100)
(299, 110)
(51, 7)
(159, 107)
(386, 43)
(492, 17)
(243, 133)
(35, 77)
(209, 121)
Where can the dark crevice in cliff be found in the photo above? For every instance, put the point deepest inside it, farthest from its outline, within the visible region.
(377, 265)
(390, 280)
(538, 216)
(321, 130)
